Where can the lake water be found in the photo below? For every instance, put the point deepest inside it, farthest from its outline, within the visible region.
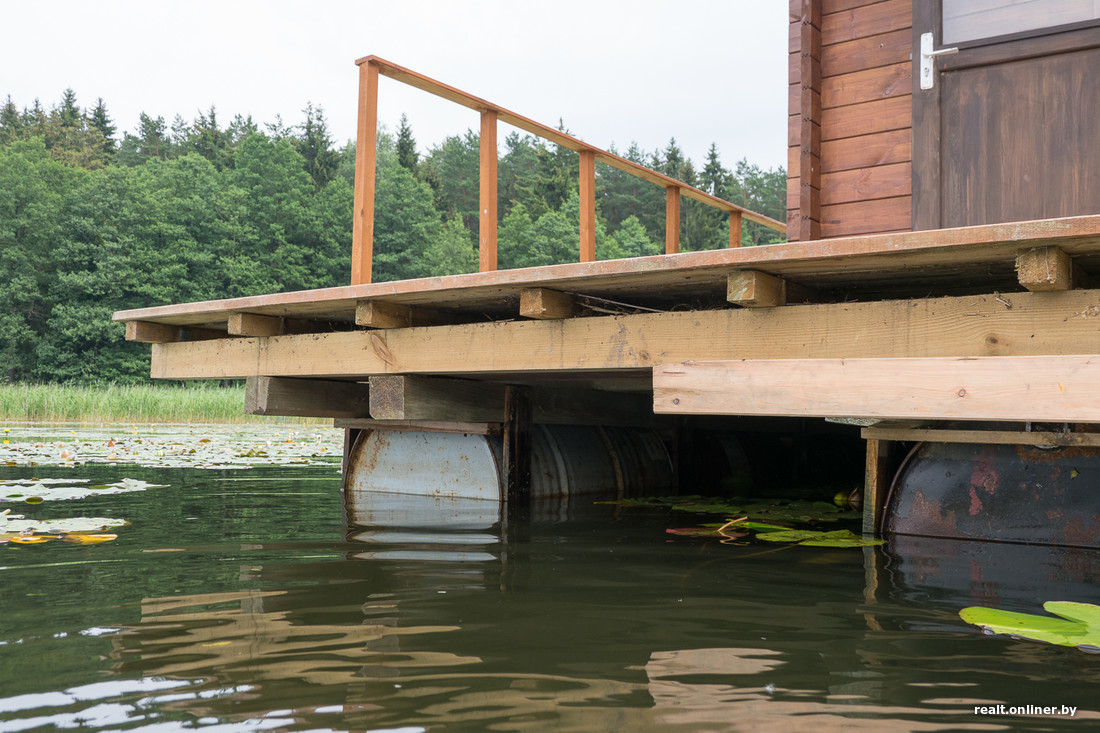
(253, 599)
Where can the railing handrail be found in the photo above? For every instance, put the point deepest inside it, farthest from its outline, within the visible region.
(370, 67)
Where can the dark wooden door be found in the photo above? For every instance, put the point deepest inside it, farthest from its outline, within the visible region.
(1010, 130)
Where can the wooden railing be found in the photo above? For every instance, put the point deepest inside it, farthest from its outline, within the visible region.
(371, 67)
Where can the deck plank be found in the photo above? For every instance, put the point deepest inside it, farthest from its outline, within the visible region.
(890, 262)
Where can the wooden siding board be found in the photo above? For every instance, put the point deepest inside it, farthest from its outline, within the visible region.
(881, 148)
(866, 217)
(880, 115)
(867, 85)
(866, 53)
(867, 20)
(866, 184)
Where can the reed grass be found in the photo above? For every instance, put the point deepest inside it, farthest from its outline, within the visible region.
(200, 402)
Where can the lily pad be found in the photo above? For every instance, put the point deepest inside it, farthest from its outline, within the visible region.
(36, 491)
(811, 538)
(1078, 625)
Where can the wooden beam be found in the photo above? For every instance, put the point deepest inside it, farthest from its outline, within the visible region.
(876, 482)
(443, 399)
(366, 150)
(305, 397)
(972, 325)
(146, 332)
(395, 397)
(517, 449)
(422, 426)
(588, 206)
(250, 324)
(672, 220)
(735, 228)
(1044, 268)
(1016, 388)
(546, 304)
(753, 289)
(487, 249)
(996, 437)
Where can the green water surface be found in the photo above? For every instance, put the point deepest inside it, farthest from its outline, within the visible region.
(255, 599)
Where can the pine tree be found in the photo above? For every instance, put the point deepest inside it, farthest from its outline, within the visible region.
(406, 146)
(315, 145)
(11, 123)
(100, 121)
(68, 113)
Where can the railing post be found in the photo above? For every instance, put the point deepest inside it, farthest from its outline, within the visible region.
(366, 143)
(672, 220)
(487, 248)
(735, 228)
(588, 206)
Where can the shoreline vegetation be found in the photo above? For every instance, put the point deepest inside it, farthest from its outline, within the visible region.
(200, 402)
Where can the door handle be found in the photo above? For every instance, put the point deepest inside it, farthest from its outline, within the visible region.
(928, 60)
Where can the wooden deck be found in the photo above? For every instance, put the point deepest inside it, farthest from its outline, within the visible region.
(966, 260)
(960, 292)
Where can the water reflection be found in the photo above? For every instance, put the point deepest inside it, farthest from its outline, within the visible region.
(440, 614)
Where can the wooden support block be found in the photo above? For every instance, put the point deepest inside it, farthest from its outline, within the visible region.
(1044, 268)
(394, 397)
(305, 397)
(250, 324)
(377, 314)
(380, 314)
(545, 304)
(876, 483)
(1014, 388)
(754, 289)
(147, 332)
(517, 449)
(422, 426)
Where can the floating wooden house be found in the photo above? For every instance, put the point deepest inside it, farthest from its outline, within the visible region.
(936, 291)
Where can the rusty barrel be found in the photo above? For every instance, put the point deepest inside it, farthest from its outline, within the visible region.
(1011, 493)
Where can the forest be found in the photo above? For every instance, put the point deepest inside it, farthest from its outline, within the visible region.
(93, 221)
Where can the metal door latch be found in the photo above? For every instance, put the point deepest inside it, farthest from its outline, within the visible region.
(927, 60)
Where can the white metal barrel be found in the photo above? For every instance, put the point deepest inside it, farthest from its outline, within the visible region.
(566, 460)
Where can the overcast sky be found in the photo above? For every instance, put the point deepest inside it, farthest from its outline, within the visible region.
(701, 71)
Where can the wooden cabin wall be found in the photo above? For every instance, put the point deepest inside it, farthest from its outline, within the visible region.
(850, 126)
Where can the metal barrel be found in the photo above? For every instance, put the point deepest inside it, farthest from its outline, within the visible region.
(566, 461)
(1010, 493)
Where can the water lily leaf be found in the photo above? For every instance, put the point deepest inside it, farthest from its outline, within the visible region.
(89, 539)
(811, 538)
(855, 541)
(789, 535)
(30, 539)
(761, 526)
(54, 492)
(1077, 624)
